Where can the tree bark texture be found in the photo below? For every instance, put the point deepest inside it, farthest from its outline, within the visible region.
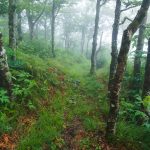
(5, 75)
(114, 46)
(122, 60)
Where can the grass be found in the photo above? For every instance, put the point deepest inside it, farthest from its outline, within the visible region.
(65, 91)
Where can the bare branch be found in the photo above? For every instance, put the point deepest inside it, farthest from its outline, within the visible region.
(124, 20)
(39, 16)
(103, 3)
(128, 8)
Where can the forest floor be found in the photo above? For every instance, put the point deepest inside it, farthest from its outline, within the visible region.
(75, 113)
(72, 116)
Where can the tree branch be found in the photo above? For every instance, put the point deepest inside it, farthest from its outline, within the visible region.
(39, 16)
(125, 18)
(103, 3)
(129, 8)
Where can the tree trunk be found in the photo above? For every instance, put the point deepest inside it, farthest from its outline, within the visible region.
(12, 19)
(114, 53)
(122, 60)
(19, 28)
(36, 30)
(5, 76)
(82, 40)
(87, 47)
(146, 86)
(30, 24)
(100, 44)
(136, 85)
(31, 29)
(53, 30)
(94, 44)
(45, 27)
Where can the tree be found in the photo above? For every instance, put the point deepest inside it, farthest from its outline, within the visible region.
(5, 76)
(114, 45)
(56, 5)
(122, 60)
(99, 4)
(19, 10)
(114, 48)
(146, 85)
(12, 23)
(136, 85)
(34, 11)
(53, 28)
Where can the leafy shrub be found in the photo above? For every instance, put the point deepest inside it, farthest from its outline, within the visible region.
(132, 112)
(4, 99)
(133, 137)
(4, 124)
(146, 103)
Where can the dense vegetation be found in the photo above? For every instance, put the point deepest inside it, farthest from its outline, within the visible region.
(62, 90)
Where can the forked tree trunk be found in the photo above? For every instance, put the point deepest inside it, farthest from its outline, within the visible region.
(146, 86)
(114, 46)
(136, 85)
(94, 44)
(122, 60)
(5, 76)
(11, 22)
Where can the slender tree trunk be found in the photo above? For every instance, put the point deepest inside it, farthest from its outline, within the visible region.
(53, 30)
(12, 19)
(82, 40)
(19, 28)
(146, 86)
(45, 28)
(5, 76)
(94, 44)
(30, 24)
(87, 47)
(114, 47)
(100, 44)
(31, 29)
(122, 60)
(136, 85)
(37, 30)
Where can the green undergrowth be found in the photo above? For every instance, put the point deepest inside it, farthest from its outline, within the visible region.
(52, 93)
